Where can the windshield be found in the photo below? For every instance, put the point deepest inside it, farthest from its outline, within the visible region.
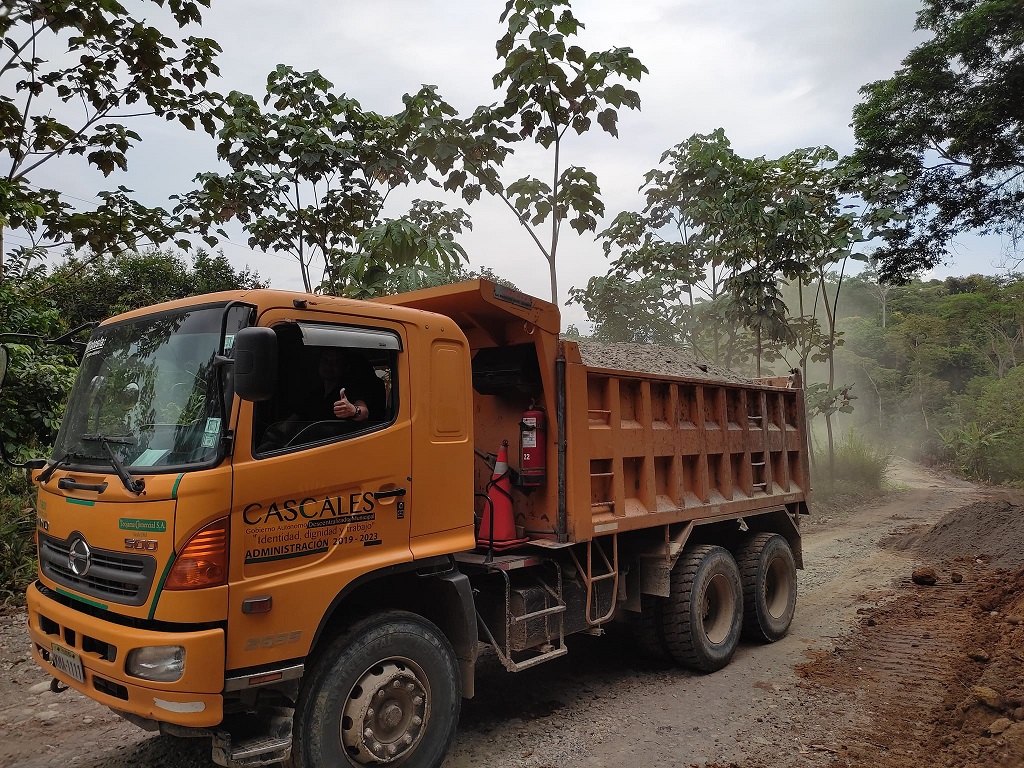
(148, 391)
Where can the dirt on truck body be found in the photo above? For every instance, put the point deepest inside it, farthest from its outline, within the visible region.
(215, 560)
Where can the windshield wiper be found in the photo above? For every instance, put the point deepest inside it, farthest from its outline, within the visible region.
(46, 474)
(136, 486)
(113, 439)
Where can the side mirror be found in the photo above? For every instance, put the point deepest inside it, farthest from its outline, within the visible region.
(255, 368)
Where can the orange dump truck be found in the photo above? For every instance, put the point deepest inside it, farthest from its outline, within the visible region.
(220, 554)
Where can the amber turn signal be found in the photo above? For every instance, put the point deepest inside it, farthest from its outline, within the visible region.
(203, 562)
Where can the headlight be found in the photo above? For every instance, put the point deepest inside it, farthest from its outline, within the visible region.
(162, 663)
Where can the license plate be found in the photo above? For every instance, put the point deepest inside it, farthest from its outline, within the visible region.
(67, 661)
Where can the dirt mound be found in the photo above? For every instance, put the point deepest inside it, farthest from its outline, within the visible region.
(942, 672)
(984, 725)
(991, 530)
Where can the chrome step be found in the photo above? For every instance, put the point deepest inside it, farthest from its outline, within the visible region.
(271, 747)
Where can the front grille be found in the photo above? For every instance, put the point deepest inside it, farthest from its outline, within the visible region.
(90, 645)
(118, 577)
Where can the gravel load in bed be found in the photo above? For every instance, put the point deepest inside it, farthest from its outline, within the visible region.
(655, 359)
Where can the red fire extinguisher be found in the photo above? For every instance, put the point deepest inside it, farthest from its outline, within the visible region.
(533, 448)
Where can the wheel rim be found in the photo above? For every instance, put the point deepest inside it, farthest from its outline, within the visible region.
(718, 609)
(777, 584)
(386, 713)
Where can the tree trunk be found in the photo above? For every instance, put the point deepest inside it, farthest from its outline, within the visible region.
(554, 279)
(831, 448)
(758, 351)
(811, 455)
(555, 223)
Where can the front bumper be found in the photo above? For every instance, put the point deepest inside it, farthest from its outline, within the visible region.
(103, 646)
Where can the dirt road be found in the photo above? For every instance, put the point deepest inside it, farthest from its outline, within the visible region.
(876, 669)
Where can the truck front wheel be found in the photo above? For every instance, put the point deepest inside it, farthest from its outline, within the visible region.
(386, 692)
(702, 617)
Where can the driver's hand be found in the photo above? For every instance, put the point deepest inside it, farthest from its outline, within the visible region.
(343, 409)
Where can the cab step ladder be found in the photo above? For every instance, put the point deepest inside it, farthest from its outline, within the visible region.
(611, 571)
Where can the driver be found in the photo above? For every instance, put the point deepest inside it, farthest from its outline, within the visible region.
(345, 389)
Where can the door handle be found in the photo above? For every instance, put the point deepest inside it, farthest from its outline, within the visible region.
(66, 482)
(389, 494)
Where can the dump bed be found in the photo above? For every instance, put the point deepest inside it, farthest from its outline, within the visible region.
(651, 436)
(675, 442)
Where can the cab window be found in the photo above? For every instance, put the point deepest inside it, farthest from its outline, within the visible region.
(333, 383)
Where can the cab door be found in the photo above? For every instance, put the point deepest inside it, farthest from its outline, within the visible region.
(317, 502)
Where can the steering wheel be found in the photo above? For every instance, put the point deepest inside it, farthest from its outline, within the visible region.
(329, 427)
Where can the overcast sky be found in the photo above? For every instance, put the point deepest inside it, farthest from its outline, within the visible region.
(775, 74)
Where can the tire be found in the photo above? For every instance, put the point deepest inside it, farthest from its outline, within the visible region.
(386, 692)
(648, 634)
(768, 572)
(701, 619)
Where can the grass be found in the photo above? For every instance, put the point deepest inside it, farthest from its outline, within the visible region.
(860, 472)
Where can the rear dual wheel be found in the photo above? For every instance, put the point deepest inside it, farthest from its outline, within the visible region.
(768, 571)
(714, 598)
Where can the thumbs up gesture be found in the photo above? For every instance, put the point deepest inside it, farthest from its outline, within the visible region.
(343, 409)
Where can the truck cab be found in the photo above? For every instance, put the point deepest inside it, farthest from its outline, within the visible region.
(193, 544)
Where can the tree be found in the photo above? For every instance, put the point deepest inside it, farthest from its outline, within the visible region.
(38, 377)
(876, 286)
(94, 287)
(987, 435)
(724, 230)
(551, 86)
(78, 71)
(83, 289)
(951, 121)
(677, 241)
(622, 309)
(405, 254)
(310, 173)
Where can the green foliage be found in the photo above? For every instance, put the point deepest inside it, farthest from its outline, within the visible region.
(625, 310)
(552, 86)
(949, 120)
(17, 548)
(860, 463)
(821, 400)
(38, 377)
(942, 378)
(986, 437)
(969, 447)
(95, 287)
(405, 254)
(310, 172)
(103, 62)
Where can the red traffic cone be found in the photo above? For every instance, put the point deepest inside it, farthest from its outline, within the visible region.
(498, 526)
